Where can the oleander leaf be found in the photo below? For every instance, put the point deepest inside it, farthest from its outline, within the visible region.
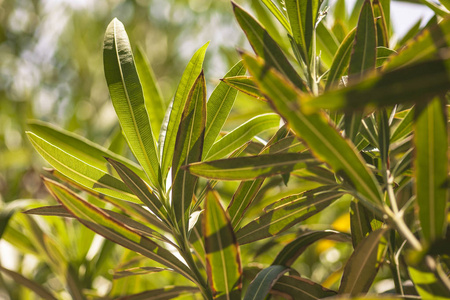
(137, 271)
(427, 284)
(265, 46)
(219, 106)
(128, 99)
(114, 230)
(260, 286)
(188, 149)
(363, 265)
(300, 288)
(327, 44)
(360, 219)
(288, 212)
(223, 261)
(168, 135)
(294, 249)
(245, 85)
(431, 168)
(141, 189)
(242, 134)
(278, 14)
(323, 139)
(81, 172)
(403, 128)
(251, 167)
(80, 147)
(340, 61)
(154, 102)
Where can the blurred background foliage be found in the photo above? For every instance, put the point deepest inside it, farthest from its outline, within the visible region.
(51, 69)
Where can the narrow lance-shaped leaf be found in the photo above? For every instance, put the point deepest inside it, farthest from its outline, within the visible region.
(168, 135)
(363, 264)
(340, 61)
(223, 261)
(323, 139)
(381, 21)
(154, 102)
(265, 46)
(431, 168)
(362, 61)
(359, 222)
(245, 85)
(260, 286)
(128, 99)
(278, 14)
(294, 249)
(327, 44)
(109, 227)
(80, 147)
(251, 167)
(166, 293)
(425, 46)
(242, 134)
(81, 172)
(300, 289)
(188, 149)
(409, 84)
(427, 283)
(289, 211)
(219, 106)
(140, 189)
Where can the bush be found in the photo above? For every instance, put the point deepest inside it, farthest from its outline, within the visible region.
(363, 124)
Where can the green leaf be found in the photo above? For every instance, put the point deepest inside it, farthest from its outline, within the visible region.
(260, 286)
(137, 271)
(188, 149)
(223, 261)
(168, 135)
(166, 293)
(286, 213)
(382, 21)
(294, 249)
(410, 34)
(265, 46)
(359, 222)
(403, 128)
(114, 230)
(154, 102)
(425, 46)
(219, 106)
(363, 264)
(383, 54)
(242, 134)
(325, 142)
(427, 284)
(142, 190)
(340, 61)
(242, 199)
(35, 287)
(128, 99)
(278, 14)
(80, 147)
(8, 210)
(245, 85)
(251, 167)
(412, 83)
(431, 168)
(300, 288)
(81, 172)
(383, 137)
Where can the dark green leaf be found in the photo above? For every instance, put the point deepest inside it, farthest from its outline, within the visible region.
(300, 289)
(260, 286)
(166, 293)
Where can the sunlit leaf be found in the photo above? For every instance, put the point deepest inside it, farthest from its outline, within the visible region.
(81, 172)
(300, 288)
(223, 261)
(188, 149)
(219, 106)
(154, 102)
(242, 134)
(168, 135)
(278, 14)
(245, 85)
(128, 99)
(286, 213)
(427, 284)
(251, 167)
(166, 293)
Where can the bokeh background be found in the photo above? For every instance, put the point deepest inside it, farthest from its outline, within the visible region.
(51, 69)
